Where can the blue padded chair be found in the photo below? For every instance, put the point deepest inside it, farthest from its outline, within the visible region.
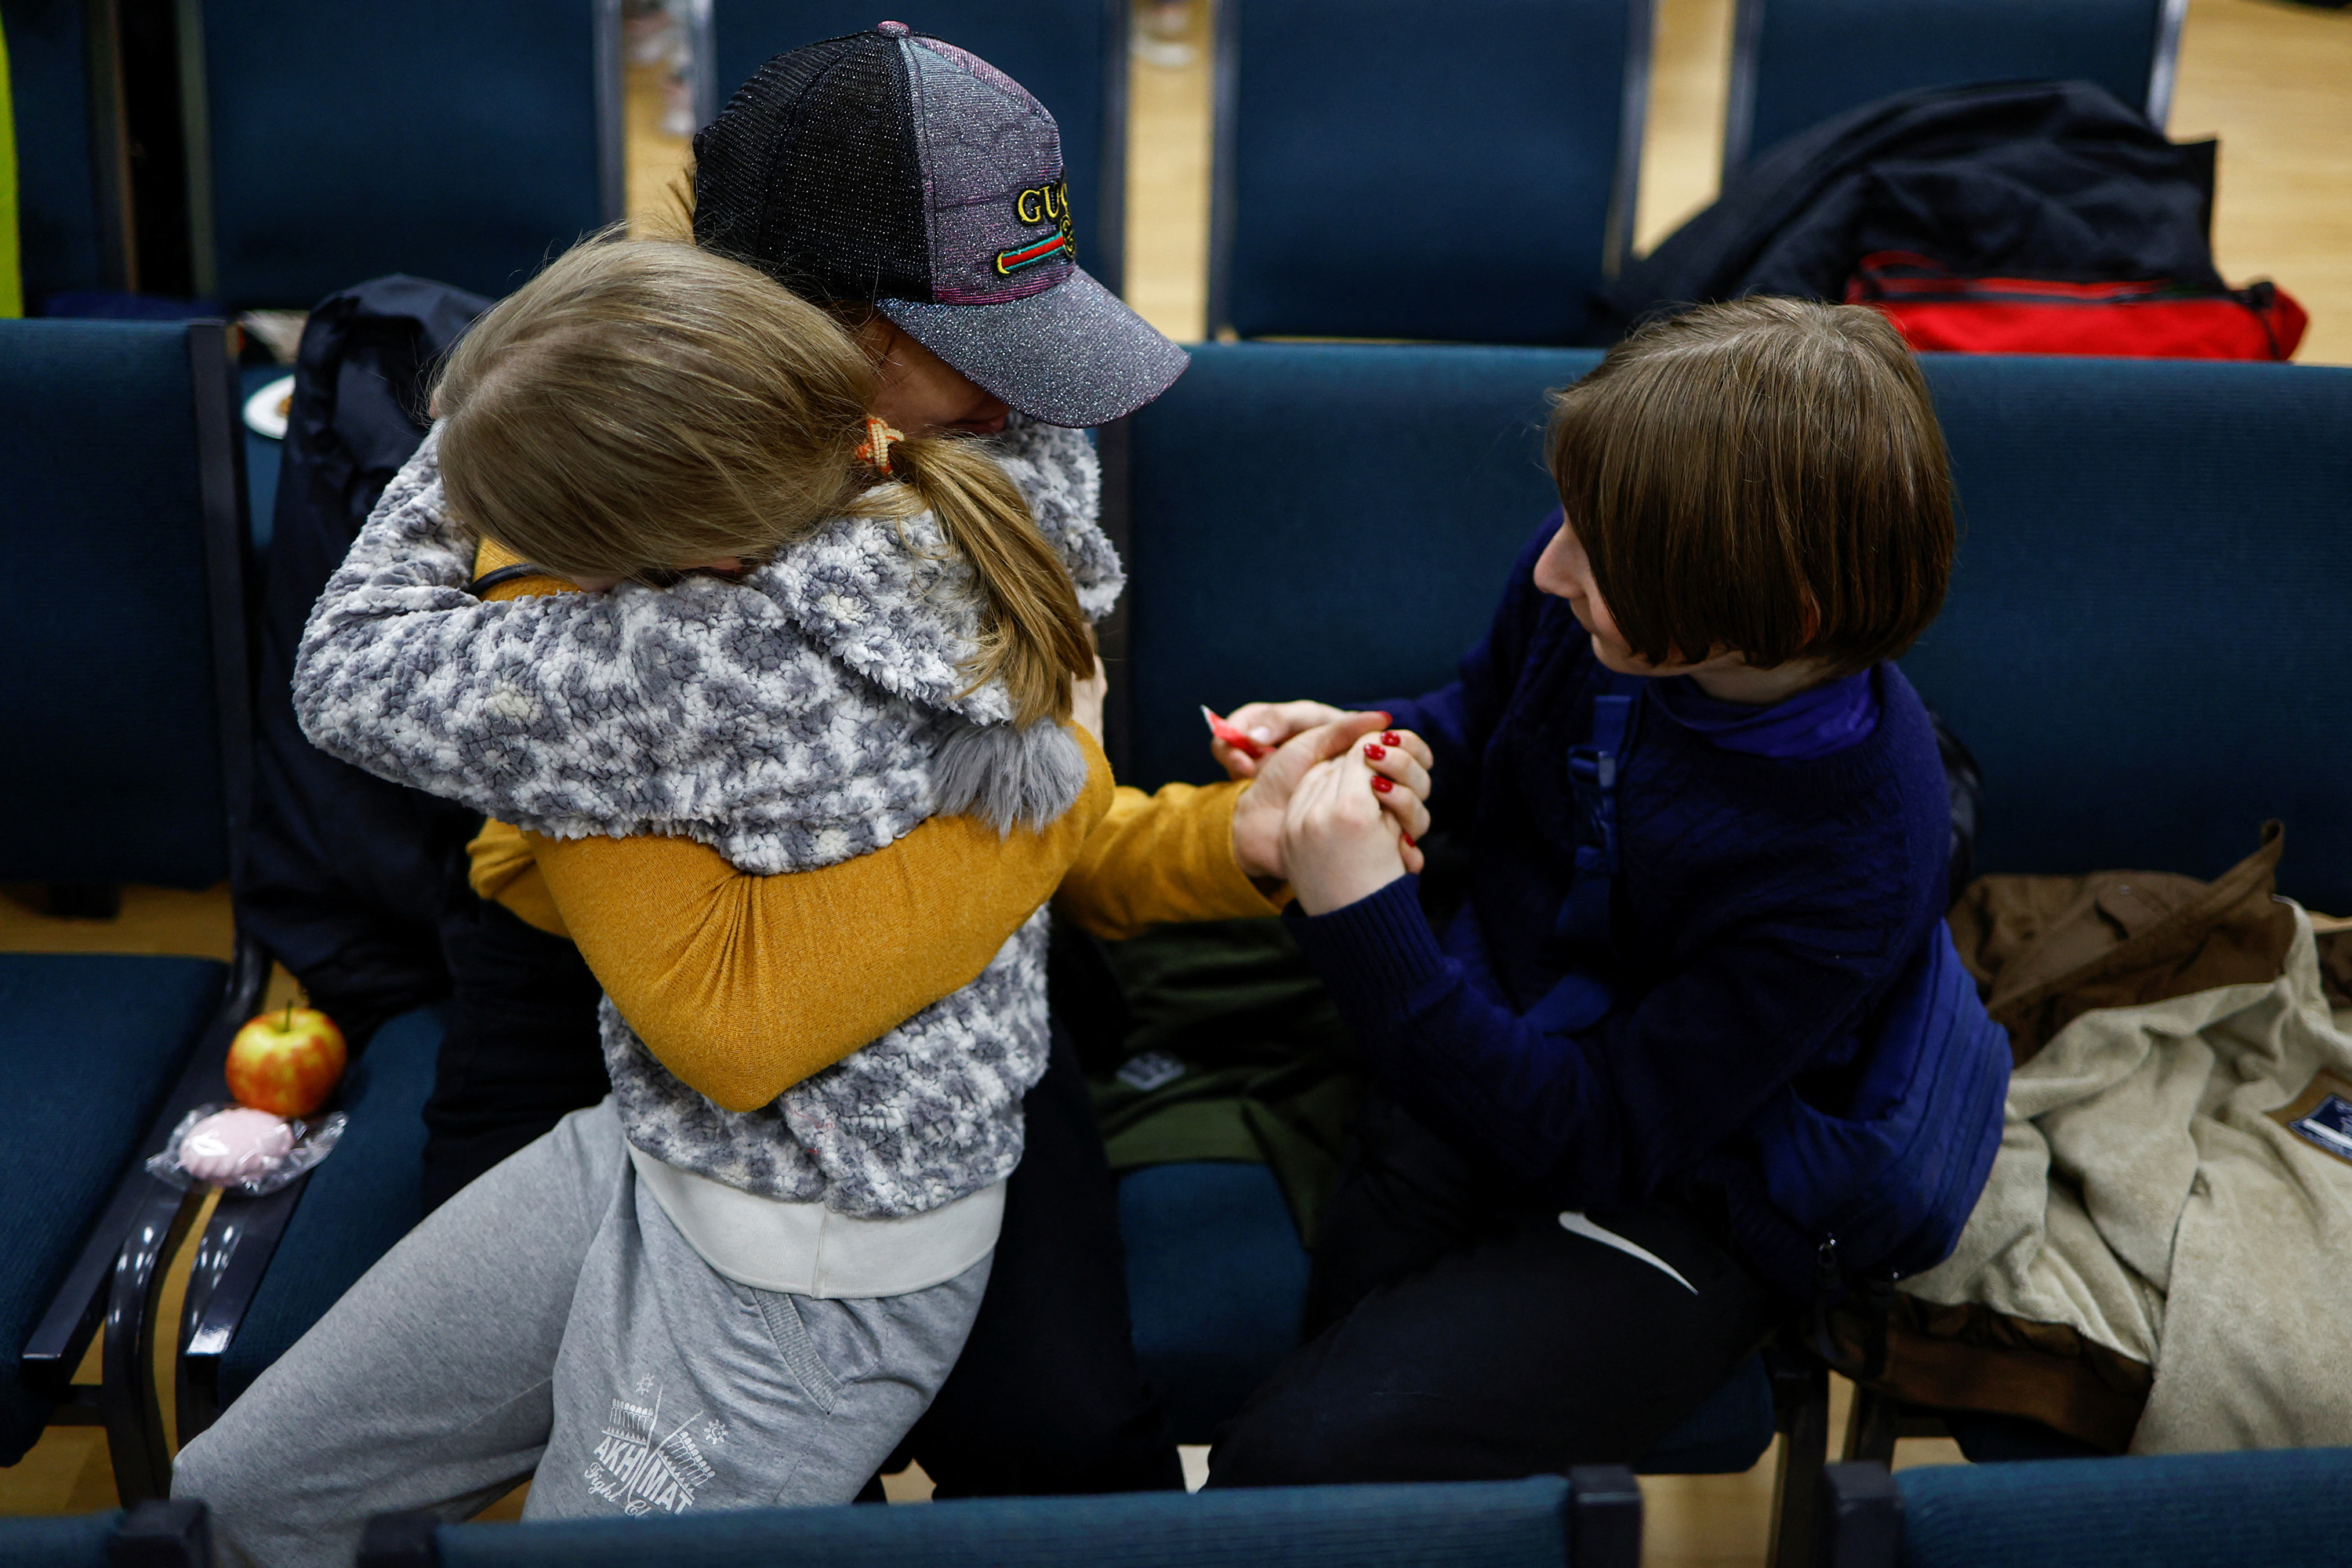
(1216, 1284)
(1245, 475)
(1385, 170)
(1592, 1519)
(2132, 646)
(155, 1534)
(337, 140)
(2182, 1510)
(1795, 63)
(124, 702)
(69, 190)
(1070, 54)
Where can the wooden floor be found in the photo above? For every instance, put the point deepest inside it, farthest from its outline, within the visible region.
(2274, 80)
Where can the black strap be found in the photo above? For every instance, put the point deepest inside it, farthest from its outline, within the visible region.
(506, 575)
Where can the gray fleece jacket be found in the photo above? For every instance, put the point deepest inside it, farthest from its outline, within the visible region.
(807, 714)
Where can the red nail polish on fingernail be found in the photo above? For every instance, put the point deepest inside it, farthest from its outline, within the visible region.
(1407, 837)
(1391, 739)
(1381, 783)
(1375, 753)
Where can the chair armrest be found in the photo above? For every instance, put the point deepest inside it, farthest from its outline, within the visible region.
(401, 1541)
(1801, 1400)
(1604, 1517)
(1859, 1520)
(231, 1258)
(163, 1534)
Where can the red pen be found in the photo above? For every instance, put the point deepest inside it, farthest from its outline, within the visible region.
(1239, 740)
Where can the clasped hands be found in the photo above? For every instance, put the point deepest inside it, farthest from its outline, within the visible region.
(1335, 809)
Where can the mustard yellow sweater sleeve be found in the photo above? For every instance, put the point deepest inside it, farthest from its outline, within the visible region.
(1159, 859)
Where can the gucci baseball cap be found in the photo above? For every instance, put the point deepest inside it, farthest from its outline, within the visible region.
(892, 167)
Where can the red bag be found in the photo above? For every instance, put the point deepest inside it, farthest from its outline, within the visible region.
(2150, 319)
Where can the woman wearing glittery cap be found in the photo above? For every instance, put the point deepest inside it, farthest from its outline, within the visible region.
(918, 193)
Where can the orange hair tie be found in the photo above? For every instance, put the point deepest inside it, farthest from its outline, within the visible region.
(875, 450)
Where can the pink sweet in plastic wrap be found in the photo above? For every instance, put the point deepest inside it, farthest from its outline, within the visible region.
(236, 1146)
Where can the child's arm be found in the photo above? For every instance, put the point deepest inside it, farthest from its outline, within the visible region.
(1215, 852)
(743, 985)
(1602, 1116)
(569, 716)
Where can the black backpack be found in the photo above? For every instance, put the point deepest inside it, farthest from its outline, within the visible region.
(345, 877)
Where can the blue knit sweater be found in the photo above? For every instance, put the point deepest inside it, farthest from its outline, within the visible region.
(1766, 908)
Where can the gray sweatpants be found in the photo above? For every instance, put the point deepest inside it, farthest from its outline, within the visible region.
(549, 1322)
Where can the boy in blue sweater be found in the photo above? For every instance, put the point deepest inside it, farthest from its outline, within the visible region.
(1557, 1236)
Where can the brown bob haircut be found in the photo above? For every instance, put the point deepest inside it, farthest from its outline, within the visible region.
(1765, 475)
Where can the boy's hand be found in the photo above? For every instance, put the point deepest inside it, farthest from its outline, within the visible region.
(1272, 725)
(1399, 759)
(1337, 842)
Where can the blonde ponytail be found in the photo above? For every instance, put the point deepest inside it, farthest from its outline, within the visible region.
(1034, 636)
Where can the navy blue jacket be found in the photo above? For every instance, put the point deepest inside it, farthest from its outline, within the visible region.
(1765, 910)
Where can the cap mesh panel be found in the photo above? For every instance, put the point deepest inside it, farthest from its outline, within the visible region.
(811, 174)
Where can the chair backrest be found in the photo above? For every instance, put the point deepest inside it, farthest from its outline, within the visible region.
(1070, 54)
(78, 1541)
(339, 139)
(2136, 645)
(69, 127)
(1486, 1524)
(1321, 521)
(1388, 169)
(122, 663)
(1795, 63)
(2184, 1511)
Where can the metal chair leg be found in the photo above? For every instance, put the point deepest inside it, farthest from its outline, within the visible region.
(1804, 1394)
(1872, 1426)
(1860, 1518)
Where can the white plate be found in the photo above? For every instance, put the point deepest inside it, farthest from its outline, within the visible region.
(265, 411)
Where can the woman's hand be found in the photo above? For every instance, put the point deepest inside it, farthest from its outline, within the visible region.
(1339, 842)
(1398, 759)
(1273, 724)
(1087, 700)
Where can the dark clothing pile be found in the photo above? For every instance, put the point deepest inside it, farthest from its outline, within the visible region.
(2017, 179)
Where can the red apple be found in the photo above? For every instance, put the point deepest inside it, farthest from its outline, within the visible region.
(287, 1061)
